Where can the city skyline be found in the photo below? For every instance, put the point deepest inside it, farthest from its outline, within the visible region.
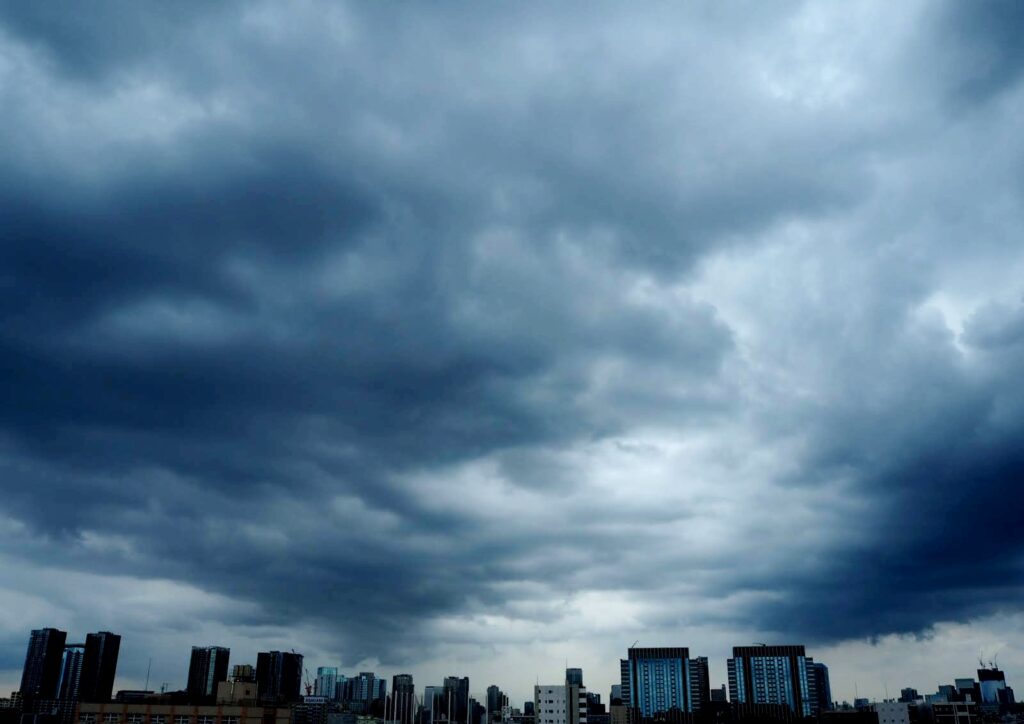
(688, 697)
(464, 339)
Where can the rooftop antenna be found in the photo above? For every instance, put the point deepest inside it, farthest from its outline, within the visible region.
(148, 669)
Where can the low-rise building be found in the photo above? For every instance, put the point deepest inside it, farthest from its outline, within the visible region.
(150, 713)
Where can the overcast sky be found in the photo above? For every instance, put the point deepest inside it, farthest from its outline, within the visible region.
(480, 338)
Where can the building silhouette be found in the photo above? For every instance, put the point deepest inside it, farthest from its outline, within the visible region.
(206, 669)
(279, 676)
(99, 666)
(41, 676)
(71, 672)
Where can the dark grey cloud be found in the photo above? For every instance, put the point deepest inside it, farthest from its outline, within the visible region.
(366, 322)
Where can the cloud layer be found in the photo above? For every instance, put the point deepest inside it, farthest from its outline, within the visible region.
(399, 332)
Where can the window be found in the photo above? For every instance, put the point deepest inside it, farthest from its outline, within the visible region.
(206, 720)
(135, 718)
(111, 718)
(157, 719)
(87, 718)
(229, 720)
(182, 719)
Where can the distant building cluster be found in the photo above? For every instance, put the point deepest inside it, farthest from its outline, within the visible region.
(73, 683)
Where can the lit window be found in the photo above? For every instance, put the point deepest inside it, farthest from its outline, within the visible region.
(111, 718)
(182, 719)
(135, 718)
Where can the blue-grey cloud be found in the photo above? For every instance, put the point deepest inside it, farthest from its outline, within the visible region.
(369, 321)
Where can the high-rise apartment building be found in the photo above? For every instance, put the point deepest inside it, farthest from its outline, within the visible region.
(624, 682)
(279, 676)
(661, 683)
(822, 687)
(456, 691)
(206, 669)
(99, 666)
(700, 682)
(71, 672)
(403, 699)
(773, 675)
(43, 659)
(326, 683)
(496, 700)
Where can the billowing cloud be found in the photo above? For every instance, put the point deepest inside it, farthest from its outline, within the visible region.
(428, 337)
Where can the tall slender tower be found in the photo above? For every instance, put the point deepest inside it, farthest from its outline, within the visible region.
(41, 675)
(99, 666)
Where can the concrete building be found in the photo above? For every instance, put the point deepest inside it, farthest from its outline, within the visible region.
(237, 692)
(959, 712)
(560, 704)
(892, 712)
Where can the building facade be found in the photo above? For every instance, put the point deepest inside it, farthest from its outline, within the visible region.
(41, 675)
(207, 668)
(279, 676)
(559, 704)
(773, 676)
(403, 699)
(71, 672)
(158, 713)
(661, 683)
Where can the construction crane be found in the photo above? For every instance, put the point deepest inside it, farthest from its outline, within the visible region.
(309, 685)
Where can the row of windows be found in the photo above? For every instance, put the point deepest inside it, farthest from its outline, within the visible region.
(139, 718)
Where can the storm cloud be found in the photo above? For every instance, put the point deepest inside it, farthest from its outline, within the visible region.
(399, 331)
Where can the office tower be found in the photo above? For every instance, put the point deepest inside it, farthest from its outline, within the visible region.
(574, 677)
(560, 704)
(822, 687)
(279, 676)
(660, 683)
(326, 683)
(207, 668)
(99, 666)
(528, 709)
(456, 691)
(403, 699)
(615, 698)
(70, 672)
(41, 675)
(700, 682)
(773, 675)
